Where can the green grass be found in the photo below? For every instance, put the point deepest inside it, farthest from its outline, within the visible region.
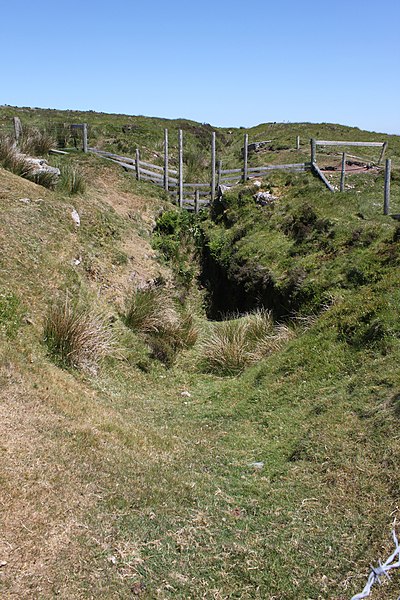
(140, 480)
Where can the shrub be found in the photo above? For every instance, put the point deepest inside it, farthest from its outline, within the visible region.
(235, 344)
(77, 337)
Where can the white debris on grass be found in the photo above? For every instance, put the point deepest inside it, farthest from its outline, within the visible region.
(75, 217)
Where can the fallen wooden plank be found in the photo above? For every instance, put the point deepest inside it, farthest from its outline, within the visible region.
(54, 151)
(318, 171)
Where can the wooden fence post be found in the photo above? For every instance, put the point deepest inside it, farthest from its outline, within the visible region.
(17, 128)
(137, 162)
(245, 156)
(213, 166)
(196, 201)
(219, 172)
(384, 146)
(343, 173)
(85, 137)
(180, 139)
(313, 151)
(298, 143)
(386, 200)
(166, 162)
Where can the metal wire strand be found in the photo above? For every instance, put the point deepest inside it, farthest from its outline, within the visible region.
(381, 569)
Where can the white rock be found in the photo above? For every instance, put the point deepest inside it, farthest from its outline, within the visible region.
(75, 217)
(25, 200)
(186, 394)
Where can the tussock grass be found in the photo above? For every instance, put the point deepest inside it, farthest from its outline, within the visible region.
(76, 336)
(71, 180)
(233, 345)
(11, 160)
(36, 142)
(150, 310)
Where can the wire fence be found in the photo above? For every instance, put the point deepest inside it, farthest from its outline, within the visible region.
(392, 562)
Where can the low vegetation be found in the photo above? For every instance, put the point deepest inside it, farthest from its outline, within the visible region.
(151, 310)
(13, 159)
(36, 142)
(76, 336)
(232, 345)
(161, 478)
(71, 180)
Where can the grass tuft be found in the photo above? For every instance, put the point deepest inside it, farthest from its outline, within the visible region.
(36, 143)
(77, 337)
(151, 310)
(235, 344)
(71, 180)
(11, 160)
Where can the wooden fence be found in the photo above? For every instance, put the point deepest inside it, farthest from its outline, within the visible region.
(382, 145)
(194, 195)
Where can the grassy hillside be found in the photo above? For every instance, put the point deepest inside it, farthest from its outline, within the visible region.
(140, 478)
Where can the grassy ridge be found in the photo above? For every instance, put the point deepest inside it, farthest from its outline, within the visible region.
(175, 483)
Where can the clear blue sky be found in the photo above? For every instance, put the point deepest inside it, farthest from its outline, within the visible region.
(226, 63)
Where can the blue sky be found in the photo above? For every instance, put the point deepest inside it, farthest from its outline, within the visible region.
(225, 63)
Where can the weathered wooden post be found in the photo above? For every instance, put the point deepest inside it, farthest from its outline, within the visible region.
(298, 143)
(343, 173)
(196, 201)
(384, 147)
(386, 200)
(17, 128)
(219, 173)
(180, 140)
(85, 137)
(137, 163)
(245, 156)
(166, 161)
(213, 166)
(313, 151)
